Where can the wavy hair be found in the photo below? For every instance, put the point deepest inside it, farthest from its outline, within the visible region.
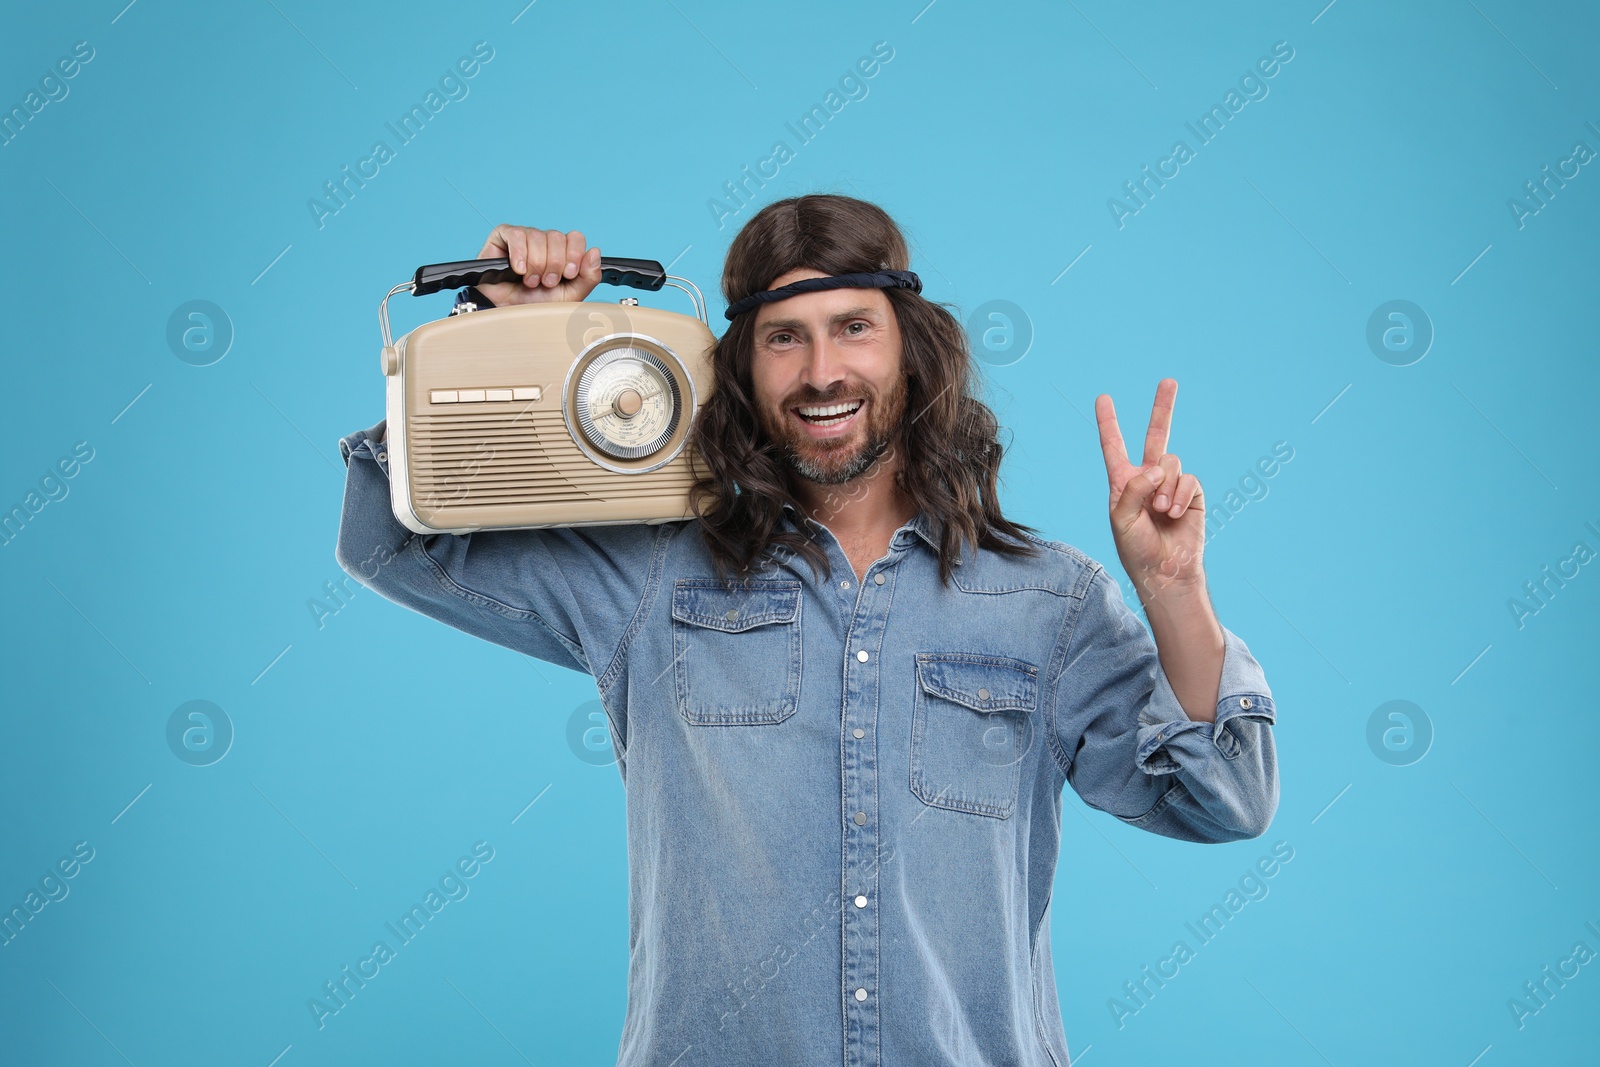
(951, 454)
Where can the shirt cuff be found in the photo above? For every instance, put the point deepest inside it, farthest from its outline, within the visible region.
(1166, 731)
(371, 440)
(471, 295)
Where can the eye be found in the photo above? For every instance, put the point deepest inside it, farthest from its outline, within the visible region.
(852, 328)
(780, 338)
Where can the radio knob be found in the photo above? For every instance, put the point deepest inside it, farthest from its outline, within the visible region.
(629, 301)
(626, 402)
(390, 361)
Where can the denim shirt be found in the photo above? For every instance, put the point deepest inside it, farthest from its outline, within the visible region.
(843, 797)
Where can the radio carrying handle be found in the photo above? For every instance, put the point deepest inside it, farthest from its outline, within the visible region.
(634, 273)
(647, 274)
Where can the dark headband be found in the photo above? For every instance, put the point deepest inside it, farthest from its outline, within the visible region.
(882, 279)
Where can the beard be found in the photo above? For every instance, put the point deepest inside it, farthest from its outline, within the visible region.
(837, 460)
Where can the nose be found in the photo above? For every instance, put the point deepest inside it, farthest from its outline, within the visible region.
(824, 367)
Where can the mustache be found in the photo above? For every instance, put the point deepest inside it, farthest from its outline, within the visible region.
(832, 396)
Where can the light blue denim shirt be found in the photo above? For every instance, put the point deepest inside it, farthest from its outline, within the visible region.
(843, 798)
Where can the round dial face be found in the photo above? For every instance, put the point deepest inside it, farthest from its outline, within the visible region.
(627, 403)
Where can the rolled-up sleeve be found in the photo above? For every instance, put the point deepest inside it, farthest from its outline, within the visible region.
(1127, 746)
(570, 595)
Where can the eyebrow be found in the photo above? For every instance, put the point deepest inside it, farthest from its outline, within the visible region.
(796, 324)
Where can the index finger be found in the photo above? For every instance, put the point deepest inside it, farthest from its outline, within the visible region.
(1155, 438)
(507, 240)
(1116, 453)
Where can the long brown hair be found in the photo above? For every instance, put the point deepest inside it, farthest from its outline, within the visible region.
(950, 449)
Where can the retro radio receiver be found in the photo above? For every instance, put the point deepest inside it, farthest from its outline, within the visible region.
(545, 414)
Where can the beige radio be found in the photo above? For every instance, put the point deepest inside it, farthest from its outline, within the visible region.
(547, 414)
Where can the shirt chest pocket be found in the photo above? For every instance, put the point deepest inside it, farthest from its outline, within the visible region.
(736, 650)
(972, 725)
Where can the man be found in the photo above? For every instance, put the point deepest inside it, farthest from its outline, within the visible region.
(846, 696)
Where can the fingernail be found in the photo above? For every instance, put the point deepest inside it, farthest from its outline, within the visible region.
(571, 271)
(1161, 503)
(551, 279)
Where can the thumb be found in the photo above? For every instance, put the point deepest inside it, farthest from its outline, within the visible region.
(1135, 493)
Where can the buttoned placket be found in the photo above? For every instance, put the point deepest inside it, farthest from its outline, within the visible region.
(859, 802)
(858, 757)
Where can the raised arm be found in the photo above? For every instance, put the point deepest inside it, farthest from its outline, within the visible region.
(1170, 733)
(565, 595)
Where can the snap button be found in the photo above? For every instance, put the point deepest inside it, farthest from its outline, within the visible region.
(861, 994)
(877, 579)
(731, 614)
(861, 818)
(1244, 702)
(983, 694)
(861, 901)
(858, 733)
(383, 456)
(862, 655)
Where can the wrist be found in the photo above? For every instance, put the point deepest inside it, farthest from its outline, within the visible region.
(1178, 578)
(1174, 596)
(1184, 614)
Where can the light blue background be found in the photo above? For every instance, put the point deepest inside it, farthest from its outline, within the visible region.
(374, 751)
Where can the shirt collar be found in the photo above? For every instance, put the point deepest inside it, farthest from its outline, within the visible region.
(921, 524)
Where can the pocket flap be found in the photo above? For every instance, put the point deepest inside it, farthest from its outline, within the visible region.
(718, 606)
(982, 683)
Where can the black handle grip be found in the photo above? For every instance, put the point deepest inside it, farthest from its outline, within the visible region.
(634, 273)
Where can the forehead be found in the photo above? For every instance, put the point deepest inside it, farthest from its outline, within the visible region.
(819, 306)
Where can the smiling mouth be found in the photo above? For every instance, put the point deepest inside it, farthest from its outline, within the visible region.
(828, 414)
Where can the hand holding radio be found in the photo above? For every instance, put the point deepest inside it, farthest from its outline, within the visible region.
(553, 265)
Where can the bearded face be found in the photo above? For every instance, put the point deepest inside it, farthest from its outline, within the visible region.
(832, 437)
(829, 389)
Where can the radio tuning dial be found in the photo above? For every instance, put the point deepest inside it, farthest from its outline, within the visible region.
(628, 402)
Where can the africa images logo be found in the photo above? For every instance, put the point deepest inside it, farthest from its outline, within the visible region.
(1209, 126)
(453, 85)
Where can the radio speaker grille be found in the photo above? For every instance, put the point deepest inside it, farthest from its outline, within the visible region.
(512, 458)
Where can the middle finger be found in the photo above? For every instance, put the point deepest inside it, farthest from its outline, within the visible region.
(555, 257)
(533, 274)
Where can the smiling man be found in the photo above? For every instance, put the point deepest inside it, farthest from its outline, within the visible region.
(846, 696)
(831, 399)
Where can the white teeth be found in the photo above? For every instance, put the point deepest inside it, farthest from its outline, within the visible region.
(831, 409)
